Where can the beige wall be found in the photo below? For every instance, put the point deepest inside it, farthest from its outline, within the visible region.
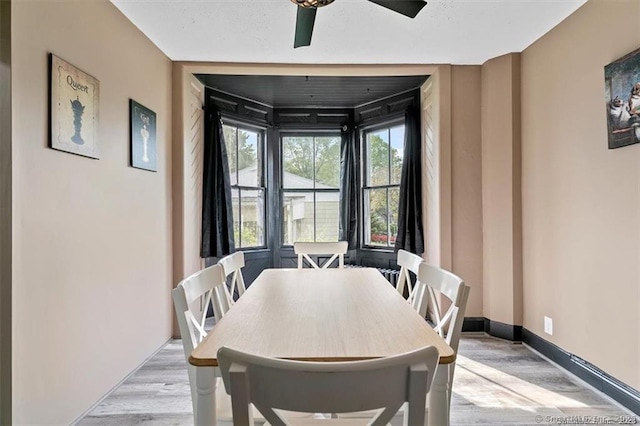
(501, 203)
(92, 238)
(466, 185)
(452, 175)
(581, 201)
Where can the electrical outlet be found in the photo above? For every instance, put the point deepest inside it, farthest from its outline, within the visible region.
(548, 326)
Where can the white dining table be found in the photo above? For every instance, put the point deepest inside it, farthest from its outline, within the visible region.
(323, 315)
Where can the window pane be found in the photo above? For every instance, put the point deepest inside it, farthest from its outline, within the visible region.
(327, 216)
(252, 219)
(397, 152)
(231, 143)
(378, 158)
(297, 217)
(328, 162)
(394, 203)
(297, 159)
(376, 215)
(235, 203)
(248, 170)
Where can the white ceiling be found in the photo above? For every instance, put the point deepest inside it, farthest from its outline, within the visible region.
(347, 31)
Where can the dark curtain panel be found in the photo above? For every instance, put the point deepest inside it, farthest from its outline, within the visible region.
(410, 236)
(348, 188)
(217, 212)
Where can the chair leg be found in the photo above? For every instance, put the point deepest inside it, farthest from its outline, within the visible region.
(206, 382)
(439, 397)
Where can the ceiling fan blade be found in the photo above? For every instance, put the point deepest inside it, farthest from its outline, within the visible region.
(408, 8)
(304, 26)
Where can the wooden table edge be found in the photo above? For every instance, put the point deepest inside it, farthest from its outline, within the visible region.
(198, 362)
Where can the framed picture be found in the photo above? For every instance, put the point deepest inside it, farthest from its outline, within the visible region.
(73, 109)
(143, 137)
(622, 97)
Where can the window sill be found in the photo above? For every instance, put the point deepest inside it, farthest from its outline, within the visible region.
(378, 249)
(252, 249)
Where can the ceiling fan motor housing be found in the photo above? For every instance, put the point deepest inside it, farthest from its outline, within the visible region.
(312, 3)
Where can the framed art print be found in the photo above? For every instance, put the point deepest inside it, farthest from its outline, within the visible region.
(73, 109)
(622, 97)
(143, 137)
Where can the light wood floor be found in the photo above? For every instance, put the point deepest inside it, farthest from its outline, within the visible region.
(496, 383)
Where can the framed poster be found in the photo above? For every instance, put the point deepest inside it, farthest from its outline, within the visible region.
(73, 109)
(622, 97)
(142, 125)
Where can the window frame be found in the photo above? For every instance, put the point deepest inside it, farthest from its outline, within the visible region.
(262, 166)
(284, 133)
(387, 124)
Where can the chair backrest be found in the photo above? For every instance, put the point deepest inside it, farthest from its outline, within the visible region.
(206, 284)
(337, 249)
(209, 286)
(232, 266)
(436, 280)
(328, 387)
(410, 262)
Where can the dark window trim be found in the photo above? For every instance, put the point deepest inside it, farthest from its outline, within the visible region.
(377, 249)
(389, 186)
(311, 189)
(384, 123)
(6, 142)
(248, 188)
(255, 249)
(235, 107)
(308, 133)
(239, 122)
(321, 119)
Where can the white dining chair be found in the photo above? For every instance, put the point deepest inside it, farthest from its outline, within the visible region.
(232, 267)
(444, 283)
(448, 323)
(410, 262)
(432, 283)
(277, 384)
(306, 249)
(191, 299)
